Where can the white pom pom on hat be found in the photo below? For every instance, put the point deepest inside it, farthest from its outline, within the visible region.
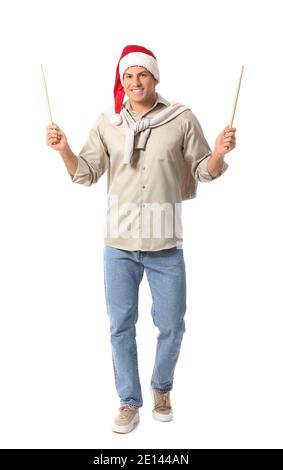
(131, 55)
(116, 119)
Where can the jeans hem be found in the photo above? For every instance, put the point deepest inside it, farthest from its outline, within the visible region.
(161, 389)
(130, 403)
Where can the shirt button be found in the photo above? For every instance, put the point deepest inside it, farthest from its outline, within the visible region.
(143, 167)
(143, 187)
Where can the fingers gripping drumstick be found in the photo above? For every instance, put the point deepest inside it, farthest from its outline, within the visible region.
(46, 95)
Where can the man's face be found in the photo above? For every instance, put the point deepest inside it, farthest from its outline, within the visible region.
(139, 84)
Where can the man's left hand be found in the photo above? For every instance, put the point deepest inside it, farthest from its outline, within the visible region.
(226, 141)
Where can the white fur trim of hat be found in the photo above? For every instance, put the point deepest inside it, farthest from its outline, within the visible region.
(139, 59)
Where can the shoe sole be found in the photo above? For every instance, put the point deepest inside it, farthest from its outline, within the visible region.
(160, 416)
(128, 428)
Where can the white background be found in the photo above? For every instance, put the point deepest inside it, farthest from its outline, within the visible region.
(57, 386)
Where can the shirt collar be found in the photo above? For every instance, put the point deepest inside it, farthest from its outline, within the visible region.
(159, 99)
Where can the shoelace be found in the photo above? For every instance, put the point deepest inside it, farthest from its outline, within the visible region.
(125, 409)
(162, 401)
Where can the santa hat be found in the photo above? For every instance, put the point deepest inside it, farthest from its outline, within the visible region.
(131, 55)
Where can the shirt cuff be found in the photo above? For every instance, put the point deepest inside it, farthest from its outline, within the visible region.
(203, 171)
(82, 171)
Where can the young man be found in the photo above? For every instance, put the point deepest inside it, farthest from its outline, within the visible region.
(155, 153)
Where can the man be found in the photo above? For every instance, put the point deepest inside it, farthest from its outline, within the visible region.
(155, 153)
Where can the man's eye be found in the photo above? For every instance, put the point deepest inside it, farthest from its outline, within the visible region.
(130, 76)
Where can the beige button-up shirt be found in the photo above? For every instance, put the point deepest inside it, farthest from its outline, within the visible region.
(144, 198)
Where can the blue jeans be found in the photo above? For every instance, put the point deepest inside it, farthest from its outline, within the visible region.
(123, 272)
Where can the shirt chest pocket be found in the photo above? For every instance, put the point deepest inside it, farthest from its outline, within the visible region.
(163, 159)
(167, 145)
(170, 153)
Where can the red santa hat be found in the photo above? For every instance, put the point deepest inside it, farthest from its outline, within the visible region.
(131, 56)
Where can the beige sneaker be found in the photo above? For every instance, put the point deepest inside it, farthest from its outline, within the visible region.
(126, 420)
(162, 406)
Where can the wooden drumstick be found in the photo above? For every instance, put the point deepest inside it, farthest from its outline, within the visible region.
(236, 98)
(46, 95)
(235, 101)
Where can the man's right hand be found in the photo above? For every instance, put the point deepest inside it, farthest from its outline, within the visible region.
(55, 138)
